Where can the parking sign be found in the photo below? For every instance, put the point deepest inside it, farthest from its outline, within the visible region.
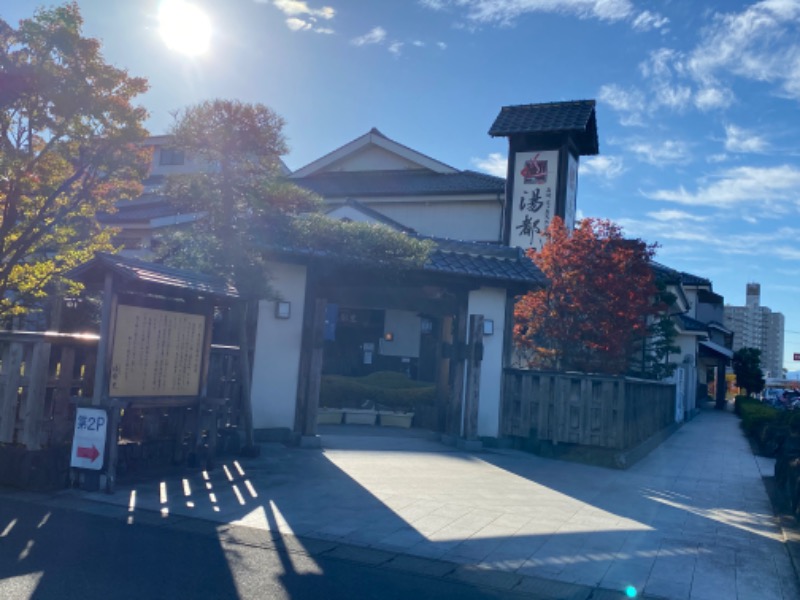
(89, 440)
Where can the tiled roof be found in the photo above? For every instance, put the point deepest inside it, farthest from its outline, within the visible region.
(143, 209)
(687, 323)
(374, 214)
(153, 276)
(345, 184)
(665, 273)
(519, 269)
(689, 279)
(462, 259)
(576, 118)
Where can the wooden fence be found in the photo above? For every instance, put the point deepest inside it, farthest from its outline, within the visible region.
(590, 410)
(40, 374)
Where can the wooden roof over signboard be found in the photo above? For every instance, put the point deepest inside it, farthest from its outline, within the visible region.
(575, 119)
(152, 277)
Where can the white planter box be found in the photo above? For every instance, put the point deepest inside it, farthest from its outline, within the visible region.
(393, 419)
(354, 416)
(329, 416)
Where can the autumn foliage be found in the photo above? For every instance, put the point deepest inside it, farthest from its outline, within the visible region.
(69, 149)
(594, 313)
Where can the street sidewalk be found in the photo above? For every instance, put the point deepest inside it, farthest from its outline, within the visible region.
(690, 521)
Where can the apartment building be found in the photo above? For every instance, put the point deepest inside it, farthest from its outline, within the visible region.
(756, 326)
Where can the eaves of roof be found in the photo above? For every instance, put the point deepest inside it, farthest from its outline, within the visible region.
(472, 260)
(376, 138)
(153, 277)
(413, 182)
(137, 214)
(689, 324)
(689, 279)
(576, 119)
(376, 216)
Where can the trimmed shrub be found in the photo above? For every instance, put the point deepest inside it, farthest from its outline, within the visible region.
(737, 404)
(766, 425)
(382, 389)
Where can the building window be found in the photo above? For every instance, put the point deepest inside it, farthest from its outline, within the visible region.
(170, 157)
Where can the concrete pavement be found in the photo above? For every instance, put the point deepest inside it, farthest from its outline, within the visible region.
(690, 521)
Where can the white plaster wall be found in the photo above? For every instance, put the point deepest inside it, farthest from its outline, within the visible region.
(457, 219)
(373, 158)
(276, 363)
(688, 345)
(491, 303)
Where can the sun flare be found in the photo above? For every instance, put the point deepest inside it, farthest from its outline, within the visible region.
(184, 27)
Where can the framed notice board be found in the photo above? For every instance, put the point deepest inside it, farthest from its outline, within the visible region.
(156, 352)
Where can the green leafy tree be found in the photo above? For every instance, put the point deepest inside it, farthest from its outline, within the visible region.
(651, 360)
(600, 299)
(747, 368)
(248, 208)
(68, 148)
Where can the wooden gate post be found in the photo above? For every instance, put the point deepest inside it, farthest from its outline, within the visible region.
(473, 391)
(314, 370)
(454, 412)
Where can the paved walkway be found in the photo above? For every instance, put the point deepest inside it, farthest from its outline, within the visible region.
(690, 521)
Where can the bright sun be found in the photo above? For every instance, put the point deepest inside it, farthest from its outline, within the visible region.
(184, 27)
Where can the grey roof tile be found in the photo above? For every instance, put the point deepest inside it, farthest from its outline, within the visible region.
(576, 118)
(414, 182)
(689, 324)
(689, 279)
(151, 274)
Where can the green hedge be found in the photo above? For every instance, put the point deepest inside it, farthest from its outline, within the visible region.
(383, 389)
(767, 425)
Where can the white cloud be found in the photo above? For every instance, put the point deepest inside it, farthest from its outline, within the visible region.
(418, 43)
(630, 102)
(302, 17)
(674, 216)
(396, 48)
(741, 140)
(375, 36)
(441, 45)
(689, 236)
(297, 7)
(667, 152)
(607, 167)
(646, 21)
(711, 97)
(767, 190)
(494, 164)
(296, 24)
(761, 43)
(507, 12)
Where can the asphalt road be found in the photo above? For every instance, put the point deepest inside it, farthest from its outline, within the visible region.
(48, 553)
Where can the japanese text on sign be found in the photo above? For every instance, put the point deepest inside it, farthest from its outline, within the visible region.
(156, 353)
(534, 197)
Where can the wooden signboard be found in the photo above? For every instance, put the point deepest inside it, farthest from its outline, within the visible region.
(156, 353)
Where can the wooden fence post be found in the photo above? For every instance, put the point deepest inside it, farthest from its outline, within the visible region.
(12, 361)
(32, 409)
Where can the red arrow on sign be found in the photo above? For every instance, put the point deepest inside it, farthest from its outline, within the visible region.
(90, 453)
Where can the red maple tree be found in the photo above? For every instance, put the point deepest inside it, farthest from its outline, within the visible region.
(594, 313)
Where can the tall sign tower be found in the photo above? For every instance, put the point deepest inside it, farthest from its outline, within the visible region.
(545, 142)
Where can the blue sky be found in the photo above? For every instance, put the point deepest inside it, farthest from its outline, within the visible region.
(698, 103)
